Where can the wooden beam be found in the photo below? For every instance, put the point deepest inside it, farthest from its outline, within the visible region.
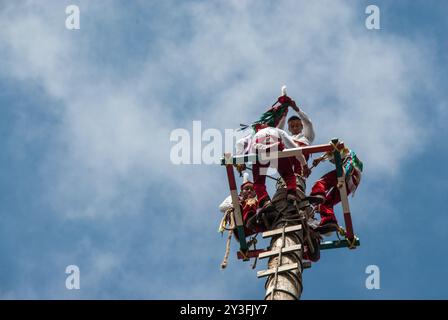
(253, 157)
(306, 264)
(239, 159)
(297, 151)
(271, 253)
(236, 208)
(343, 191)
(280, 231)
(338, 244)
(286, 267)
(249, 254)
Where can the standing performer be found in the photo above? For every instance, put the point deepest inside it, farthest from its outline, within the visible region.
(269, 140)
(301, 127)
(302, 131)
(327, 187)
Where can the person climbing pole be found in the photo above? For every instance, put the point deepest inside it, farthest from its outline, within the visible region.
(327, 187)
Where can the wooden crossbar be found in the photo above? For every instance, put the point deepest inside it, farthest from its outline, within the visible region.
(338, 244)
(249, 254)
(284, 268)
(271, 233)
(236, 208)
(343, 191)
(239, 159)
(271, 253)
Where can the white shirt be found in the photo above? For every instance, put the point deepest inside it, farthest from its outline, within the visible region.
(226, 204)
(264, 139)
(307, 135)
(243, 146)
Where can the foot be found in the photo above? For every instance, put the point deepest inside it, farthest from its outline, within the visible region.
(315, 255)
(252, 222)
(313, 223)
(327, 225)
(266, 207)
(267, 214)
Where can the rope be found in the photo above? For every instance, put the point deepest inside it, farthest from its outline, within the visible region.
(253, 241)
(279, 262)
(226, 255)
(351, 242)
(341, 232)
(254, 265)
(227, 219)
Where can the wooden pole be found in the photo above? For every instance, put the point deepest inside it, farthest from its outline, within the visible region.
(286, 285)
(236, 207)
(343, 191)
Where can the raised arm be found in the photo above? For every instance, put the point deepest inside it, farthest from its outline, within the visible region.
(282, 122)
(308, 129)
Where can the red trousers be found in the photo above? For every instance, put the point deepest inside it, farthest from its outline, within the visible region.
(327, 187)
(297, 167)
(284, 168)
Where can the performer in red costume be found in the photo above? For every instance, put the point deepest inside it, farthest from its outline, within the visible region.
(327, 187)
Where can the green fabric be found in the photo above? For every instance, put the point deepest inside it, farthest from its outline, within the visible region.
(356, 162)
(271, 116)
(353, 162)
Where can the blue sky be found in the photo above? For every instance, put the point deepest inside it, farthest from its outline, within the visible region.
(86, 116)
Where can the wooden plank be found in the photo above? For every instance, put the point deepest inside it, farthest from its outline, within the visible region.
(280, 231)
(317, 148)
(239, 159)
(306, 264)
(249, 254)
(236, 207)
(271, 253)
(252, 157)
(337, 244)
(292, 152)
(343, 191)
(286, 267)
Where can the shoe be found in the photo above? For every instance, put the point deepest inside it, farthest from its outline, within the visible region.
(313, 223)
(267, 207)
(327, 225)
(317, 199)
(252, 222)
(315, 255)
(267, 213)
(269, 218)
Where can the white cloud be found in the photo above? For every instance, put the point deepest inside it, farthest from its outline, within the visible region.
(111, 144)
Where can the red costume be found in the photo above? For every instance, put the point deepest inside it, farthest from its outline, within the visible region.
(268, 138)
(326, 186)
(271, 140)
